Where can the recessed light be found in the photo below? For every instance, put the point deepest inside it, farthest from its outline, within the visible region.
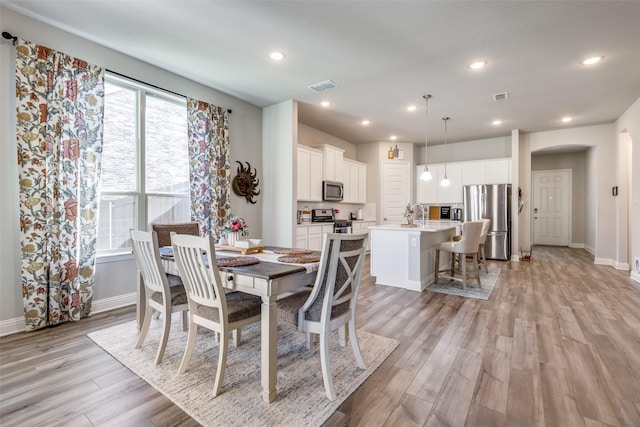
(592, 60)
(365, 122)
(477, 65)
(393, 137)
(276, 55)
(411, 108)
(566, 119)
(325, 103)
(496, 122)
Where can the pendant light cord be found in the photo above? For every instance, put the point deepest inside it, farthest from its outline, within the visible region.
(426, 130)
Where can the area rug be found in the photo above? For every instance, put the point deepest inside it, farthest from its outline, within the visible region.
(454, 287)
(301, 397)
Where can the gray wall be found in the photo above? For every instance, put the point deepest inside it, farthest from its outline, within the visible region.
(115, 277)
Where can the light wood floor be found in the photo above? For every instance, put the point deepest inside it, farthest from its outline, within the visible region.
(556, 344)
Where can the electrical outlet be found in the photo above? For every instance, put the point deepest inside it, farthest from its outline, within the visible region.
(414, 242)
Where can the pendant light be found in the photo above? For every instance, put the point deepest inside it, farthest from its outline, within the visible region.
(445, 181)
(426, 175)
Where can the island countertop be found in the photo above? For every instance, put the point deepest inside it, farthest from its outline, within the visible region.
(429, 226)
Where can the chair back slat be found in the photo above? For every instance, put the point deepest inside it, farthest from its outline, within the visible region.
(198, 268)
(164, 231)
(147, 255)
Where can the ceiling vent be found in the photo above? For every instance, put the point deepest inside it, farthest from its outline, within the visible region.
(322, 86)
(500, 96)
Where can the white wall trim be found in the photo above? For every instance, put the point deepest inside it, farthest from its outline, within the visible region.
(590, 250)
(17, 324)
(603, 261)
(515, 258)
(12, 326)
(577, 245)
(621, 266)
(635, 276)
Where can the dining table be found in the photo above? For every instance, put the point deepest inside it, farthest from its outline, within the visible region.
(269, 279)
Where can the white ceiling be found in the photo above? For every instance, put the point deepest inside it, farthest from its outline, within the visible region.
(384, 55)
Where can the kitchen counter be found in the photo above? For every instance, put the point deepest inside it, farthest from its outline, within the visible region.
(404, 257)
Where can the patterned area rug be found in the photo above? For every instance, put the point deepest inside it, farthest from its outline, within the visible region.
(301, 397)
(454, 287)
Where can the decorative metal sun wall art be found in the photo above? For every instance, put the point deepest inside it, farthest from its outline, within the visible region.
(245, 182)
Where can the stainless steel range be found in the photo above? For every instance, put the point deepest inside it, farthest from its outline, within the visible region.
(342, 226)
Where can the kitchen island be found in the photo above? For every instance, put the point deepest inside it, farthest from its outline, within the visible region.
(404, 257)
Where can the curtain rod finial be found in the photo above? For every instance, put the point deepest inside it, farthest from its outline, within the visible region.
(9, 36)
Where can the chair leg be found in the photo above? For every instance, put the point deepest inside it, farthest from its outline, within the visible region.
(484, 258)
(236, 337)
(144, 329)
(185, 319)
(222, 363)
(166, 327)
(191, 342)
(342, 335)
(326, 365)
(463, 266)
(355, 345)
(475, 264)
(453, 265)
(437, 266)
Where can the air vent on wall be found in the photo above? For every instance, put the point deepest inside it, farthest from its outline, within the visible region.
(500, 96)
(322, 86)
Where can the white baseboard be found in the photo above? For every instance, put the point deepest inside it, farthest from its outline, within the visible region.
(515, 258)
(635, 276)
(621, 266)
(603, 261)
(17, 324)
(590, 250)
(576, 245)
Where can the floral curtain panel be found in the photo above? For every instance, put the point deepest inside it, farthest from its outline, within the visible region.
(59, 134)
(209, 173)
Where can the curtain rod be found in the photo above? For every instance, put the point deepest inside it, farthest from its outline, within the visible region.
(153, 86)
(9, 36)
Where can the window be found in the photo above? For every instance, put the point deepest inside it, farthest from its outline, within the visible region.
(145, 162)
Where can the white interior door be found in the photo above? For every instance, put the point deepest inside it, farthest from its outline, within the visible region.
(395, 191)
(551, 207)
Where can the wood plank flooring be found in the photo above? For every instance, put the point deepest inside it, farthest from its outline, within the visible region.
(556, 344)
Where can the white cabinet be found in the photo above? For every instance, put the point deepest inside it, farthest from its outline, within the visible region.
(310, 237)
(363, 227)
(494, 171)
(309, 174)
(473, 173)
(432, 192)
(301, 237)
(355, 181)
(332, 163)
(498, 171)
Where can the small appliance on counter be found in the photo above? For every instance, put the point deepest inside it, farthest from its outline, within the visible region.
(352, 216)
(445, 212)
(322, 215)
(305, 215)
(456, 214)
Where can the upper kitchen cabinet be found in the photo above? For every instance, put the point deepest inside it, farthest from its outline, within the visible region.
(498, 171)
(333, 163)
(432, 192)
(309, 174)
(494, 171)
(355, 181)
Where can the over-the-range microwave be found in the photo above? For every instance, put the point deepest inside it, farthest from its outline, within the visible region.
(332, 191)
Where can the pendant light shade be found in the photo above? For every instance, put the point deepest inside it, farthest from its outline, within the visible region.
(426, 175)
(445, 181)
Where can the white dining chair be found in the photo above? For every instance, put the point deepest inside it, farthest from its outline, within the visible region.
(331, 303)
(161, 297)
(209, 306)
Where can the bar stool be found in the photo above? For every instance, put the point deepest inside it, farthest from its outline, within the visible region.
(467, 246)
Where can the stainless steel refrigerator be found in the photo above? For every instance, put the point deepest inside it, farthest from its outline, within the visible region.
(493, 202)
